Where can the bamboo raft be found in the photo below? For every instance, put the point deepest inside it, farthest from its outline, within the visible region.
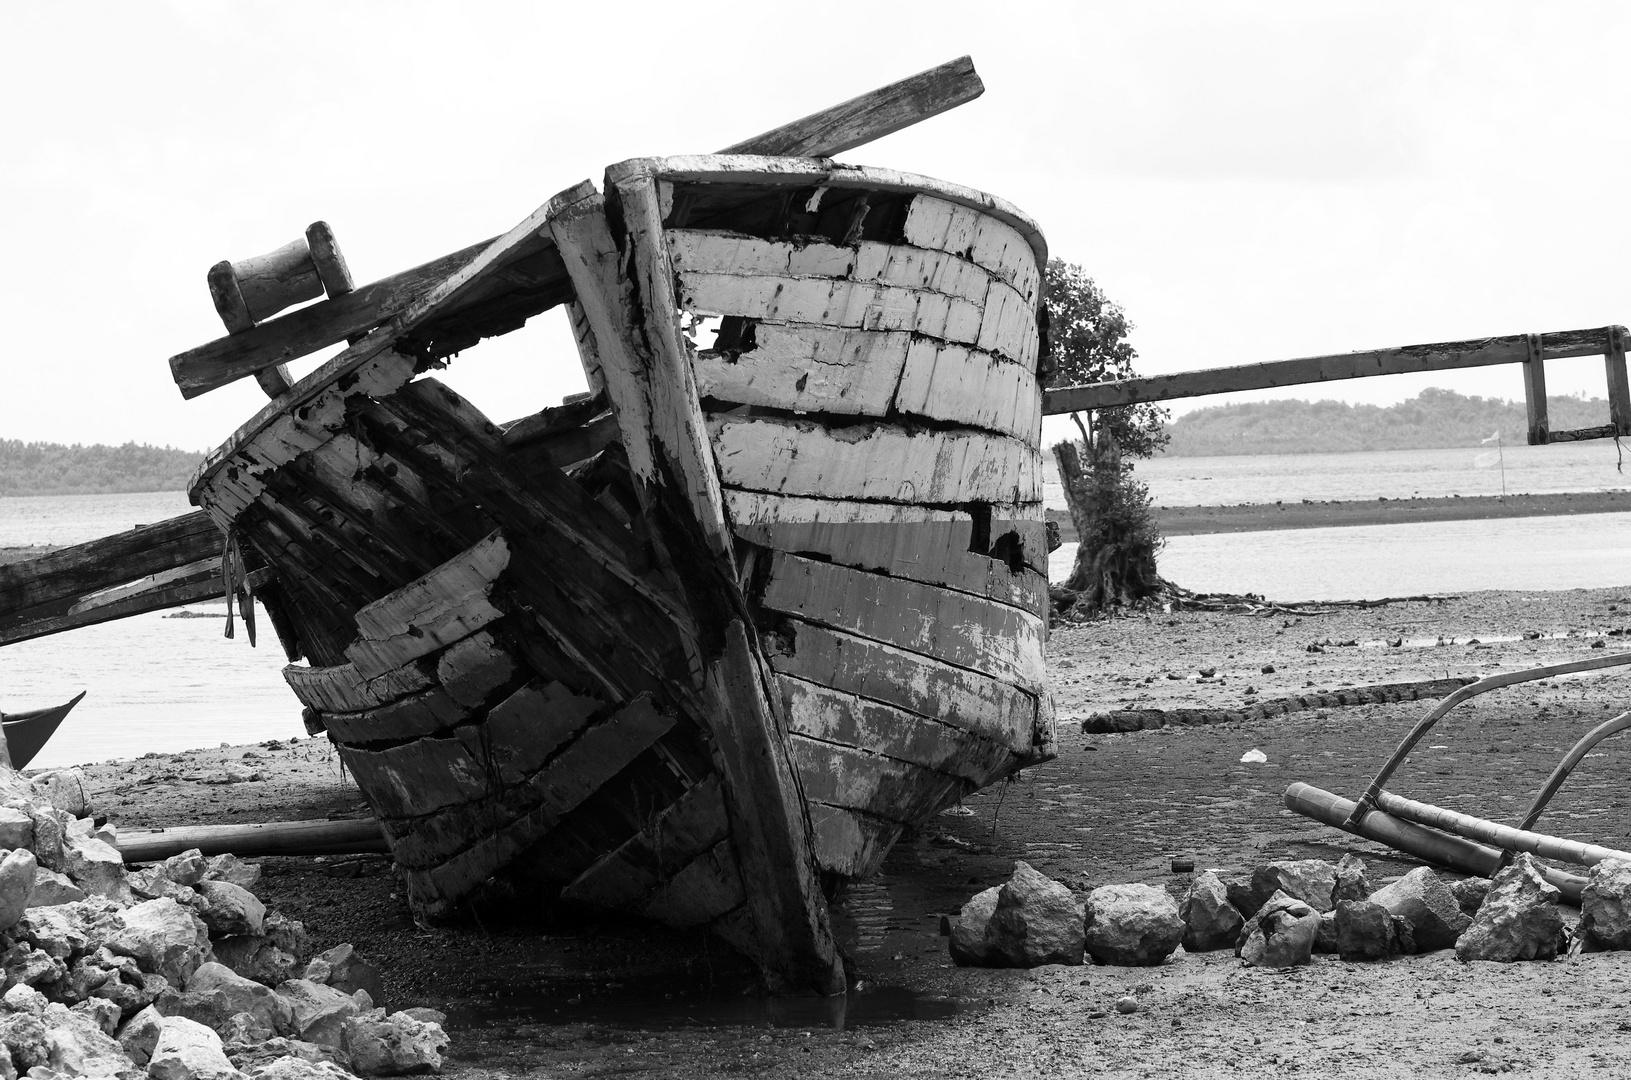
(702, 643)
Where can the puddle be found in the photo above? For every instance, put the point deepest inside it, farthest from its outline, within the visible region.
(645, 1009)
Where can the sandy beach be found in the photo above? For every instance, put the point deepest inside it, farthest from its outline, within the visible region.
(545, 992)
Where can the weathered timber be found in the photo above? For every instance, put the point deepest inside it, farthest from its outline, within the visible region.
(1444, 356)
(708, 887)
(471, 669)
(1619, 382)
(851, 843)
(429, 713)
(732, 254)
(955, 628)
(981, 238)
(872, 115)
(532, 723)
(72, 572)
(856, 779)
(959, 385)
(876, 461)
(815, 369)
(626, 875)
(174, 588)
(1534, 390)
(346, 837)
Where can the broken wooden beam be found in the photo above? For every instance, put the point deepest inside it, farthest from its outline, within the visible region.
(112, 560)
(351, 836)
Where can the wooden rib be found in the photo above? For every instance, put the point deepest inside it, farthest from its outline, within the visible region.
(851, 843)
(471, 669)
(884, 787)
(428, 713)
(624, 877)
(341, 689)
(876, 461)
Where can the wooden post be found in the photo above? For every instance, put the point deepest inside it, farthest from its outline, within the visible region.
(1619, 385)
(1534, 391)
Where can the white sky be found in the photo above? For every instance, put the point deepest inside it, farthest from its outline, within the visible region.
(1251, 181)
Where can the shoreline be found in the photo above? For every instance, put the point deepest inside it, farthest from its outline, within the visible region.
(1313, 514)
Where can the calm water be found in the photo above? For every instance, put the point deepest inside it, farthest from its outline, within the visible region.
(163, 684)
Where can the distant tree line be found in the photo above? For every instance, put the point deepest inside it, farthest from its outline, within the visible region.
(1434, 418)
(40, 468)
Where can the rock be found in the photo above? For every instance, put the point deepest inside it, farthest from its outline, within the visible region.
(296, 1068)
(230, 910)
(52, 888)
(233, 870)
(398, 1045)
(968, 947)
(1126, 1005)
(1325, 937)
(1364, 931)
(16, 885)
(27, 1038)
(1469, 894)
(189, 1051)
(427, 1016)
(79, 1046)
(151, 883)
(64, 790)
(1281, 933)
(1605, 906)
(1037, 921)
(50, 827)
(104, 1014)
(244, 1028)
(85, 977)
(244, 996)
(1310, 880)
(1239, 889)
(318, 1012)
(140, 1034)
(1132, 925)
(16, 829)
(253, 1057)
(164, 937)
(1210, 921)
(1351, 883)
(341, 968)
(1427, 905)
(188, 868)
(24, 999)
(288, 935)
(59, 932)
(96, 867)
(257, 958)
(1520, 919)
(25, 965)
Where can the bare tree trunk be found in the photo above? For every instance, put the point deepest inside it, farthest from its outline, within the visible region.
(1113, 565)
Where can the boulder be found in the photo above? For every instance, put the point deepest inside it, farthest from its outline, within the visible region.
(16, 885)
(24, 999)
(189, 1051)
(140, 1035)
(1469, 894)
(317, 1013)
(1036, 921)
(233, 870)
(16, 828)
(52, 888)
(243, 996)
(243, 1029)
(59, 931)
(188, 868)
(1325, 938)
(150, 883)
(397, 1045)
(968, 947)
(1210, 921)
(28, 1040)
(103, 1013)
(95, 866)
(79, 1047)
(1281, 934)
(257, 958)
(1605, 906)
(253, 1057)
(50, 828)
(24, 965)
(1239, 889)
(1520, 919)
(1351, 883)
(164, 937)
(1427, 905)
(291, 1067)
(1364, 931)
(230, 910)
(341, 968)
(1310, 880)
(1132, 925)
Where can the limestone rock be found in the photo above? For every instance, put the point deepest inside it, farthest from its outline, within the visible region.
(16, 828)
(297, 1068)
(428, 1016)
(1210, 921)
(1352, 882)
(150, 883)
(1281, 934)
(16, 885)
(1469, 894)
(95, 866)
(189, 1051)
(254, 1057)
(341, 968)
(1605, 906)
(1519, 920)
(257, 958)
(968, 947)
(101, 1012)
(25, 965)
(59, 931)
(24, 999)
(243, 996)
(52, 888)
(230, 910)
(164, 937)
(188, 868)
(27, 1038)
(1427, 904)
(317, 1013)
(79, 1047)
(233, 870)
(397, 1045)
(244, 1029)
(140, 1034)
(1325, 938)
(1132, 925)
(1239, 889)
(1364, 931)
(50, 828)
(1037, 921)
(1310, 880)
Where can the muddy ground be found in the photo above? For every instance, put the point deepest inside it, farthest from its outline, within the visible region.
(561, 997)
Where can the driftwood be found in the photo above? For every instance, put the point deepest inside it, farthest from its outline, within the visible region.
(345, 837)
(1382, 694)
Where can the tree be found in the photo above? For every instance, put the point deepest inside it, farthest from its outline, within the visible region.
(1115, 559)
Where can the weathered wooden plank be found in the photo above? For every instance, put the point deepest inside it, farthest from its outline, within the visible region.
(822, 302)
(472, 669)
(987, 241)
(960, 385)
(921, 543)
(1534, 392)
(835, 716)
(876, 461)
(169, 590)
(729, 253)
(532, 723)
(71, 572)
(1442, 356)
(1619, 381)
(882, 786)
(872, 115)
(851, 843)
(626, 876)
(427, 713)
(808, 369)
(422, 776)
(449, 603)
(705, 889)
(342, 689)
(967, 699)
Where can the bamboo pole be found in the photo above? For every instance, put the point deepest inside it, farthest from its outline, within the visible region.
(1495, 834)
(1566, 766)
(351, 836)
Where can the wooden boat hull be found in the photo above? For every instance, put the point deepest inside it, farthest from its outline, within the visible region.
(732, 623)
(26, 733)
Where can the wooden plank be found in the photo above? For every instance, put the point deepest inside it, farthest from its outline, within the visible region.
(835, 716)
(987, 241)
(472, 669)
(136, 601)
(884, 787)
(959, 385)
(449, 603)
(876, 461)
(342, 689)
(729, 253)
(921, 543)
(1534, 392)
(851, 843)
(1619, 383)
(422, 776)
(429, 713)
(532, 723)
(1443, 356)
(705, 889)
(815, 369)
(872, 115)
(623, 878)
(72, 572)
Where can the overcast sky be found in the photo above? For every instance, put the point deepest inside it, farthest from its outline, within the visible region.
(1251, 181)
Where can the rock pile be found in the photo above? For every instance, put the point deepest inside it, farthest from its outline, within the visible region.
(176, 970)
(1283, 912)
